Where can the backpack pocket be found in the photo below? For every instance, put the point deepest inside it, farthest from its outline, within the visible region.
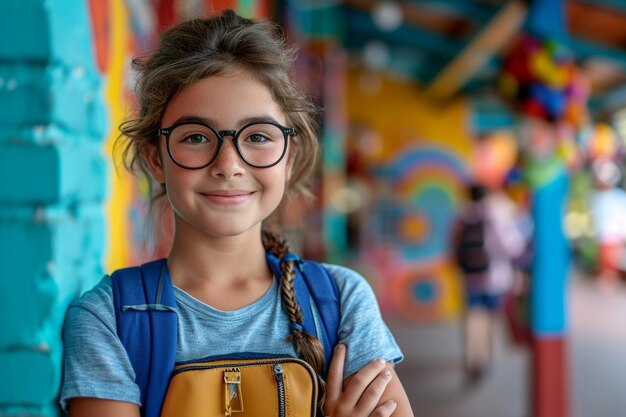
(281, 387)
(471, 252)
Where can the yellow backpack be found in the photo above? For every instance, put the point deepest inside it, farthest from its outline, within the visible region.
(250, 388)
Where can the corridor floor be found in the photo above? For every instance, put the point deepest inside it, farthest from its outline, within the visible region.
(431, 372)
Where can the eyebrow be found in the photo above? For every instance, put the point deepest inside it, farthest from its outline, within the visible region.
(212, 122)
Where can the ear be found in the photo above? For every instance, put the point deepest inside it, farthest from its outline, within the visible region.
(154, 162)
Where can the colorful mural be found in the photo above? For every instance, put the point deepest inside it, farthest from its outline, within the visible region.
(414, 164)
(425, 185)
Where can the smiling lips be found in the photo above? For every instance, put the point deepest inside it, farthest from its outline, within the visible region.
(228, 197)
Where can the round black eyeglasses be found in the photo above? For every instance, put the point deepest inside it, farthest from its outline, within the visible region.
(194, 145)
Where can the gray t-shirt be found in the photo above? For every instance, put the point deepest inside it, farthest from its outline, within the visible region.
(96, 364)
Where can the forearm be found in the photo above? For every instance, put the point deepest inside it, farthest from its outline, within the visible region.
(96, 407)
(395, 391)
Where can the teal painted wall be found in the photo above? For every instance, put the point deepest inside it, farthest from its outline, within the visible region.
(53, 176)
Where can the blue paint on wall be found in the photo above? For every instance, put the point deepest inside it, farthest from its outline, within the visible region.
(53, 173)
(552, 258)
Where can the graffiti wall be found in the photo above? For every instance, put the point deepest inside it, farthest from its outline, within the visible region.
(409, 160)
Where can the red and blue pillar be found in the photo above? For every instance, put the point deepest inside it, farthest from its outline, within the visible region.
(550, 269)
(550, 364)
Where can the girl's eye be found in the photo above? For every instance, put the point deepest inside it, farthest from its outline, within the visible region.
(258, 138)
(195, 139)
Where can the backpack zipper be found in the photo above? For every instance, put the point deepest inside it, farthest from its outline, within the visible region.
(196, 367)
(280, 383)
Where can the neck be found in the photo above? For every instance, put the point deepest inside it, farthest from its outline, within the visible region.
(199, 260)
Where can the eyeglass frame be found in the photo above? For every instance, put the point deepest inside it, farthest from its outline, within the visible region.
(220, 135)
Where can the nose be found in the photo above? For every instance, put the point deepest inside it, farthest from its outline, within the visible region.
(227, 163)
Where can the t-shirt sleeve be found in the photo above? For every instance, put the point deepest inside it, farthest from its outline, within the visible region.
(362, 328)
(95, 361)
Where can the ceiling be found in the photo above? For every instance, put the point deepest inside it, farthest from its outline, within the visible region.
(452, 47)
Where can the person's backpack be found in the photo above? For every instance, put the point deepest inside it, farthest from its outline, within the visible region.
(145, 310)
(470, 252)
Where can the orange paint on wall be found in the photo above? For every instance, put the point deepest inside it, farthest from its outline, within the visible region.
(218, 5)
(99, 13)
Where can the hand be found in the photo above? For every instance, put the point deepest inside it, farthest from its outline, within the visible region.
(362, 391)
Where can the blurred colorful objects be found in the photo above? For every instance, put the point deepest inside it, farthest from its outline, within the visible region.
(539, 78)
(548, 149)
(605, 173)
(567, 149)
(493, 158)
(601, 142)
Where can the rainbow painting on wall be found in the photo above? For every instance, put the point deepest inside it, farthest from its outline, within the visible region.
(408, 238)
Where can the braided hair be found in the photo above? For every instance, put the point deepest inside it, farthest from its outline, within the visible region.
(308, 347)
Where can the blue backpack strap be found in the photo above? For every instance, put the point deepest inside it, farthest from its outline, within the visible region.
(323, 289)
(314, 282)
(145, 310)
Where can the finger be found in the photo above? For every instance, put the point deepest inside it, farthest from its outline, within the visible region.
(334, 380)
(373, 393)
(354, 386)
(385, 410)
(362, 379)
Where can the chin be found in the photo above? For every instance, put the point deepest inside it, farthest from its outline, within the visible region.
(233, 231)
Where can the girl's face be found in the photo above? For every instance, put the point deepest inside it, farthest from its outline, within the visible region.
(228, 197)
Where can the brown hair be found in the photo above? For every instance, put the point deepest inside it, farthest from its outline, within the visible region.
(200, 48)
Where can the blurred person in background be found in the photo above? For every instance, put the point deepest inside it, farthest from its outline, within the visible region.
(607, 203)
(487, 238)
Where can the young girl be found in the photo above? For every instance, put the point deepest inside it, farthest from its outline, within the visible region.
(225, 133)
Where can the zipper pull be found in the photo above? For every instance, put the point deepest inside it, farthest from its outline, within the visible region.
(233, 400)
(278, 371)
